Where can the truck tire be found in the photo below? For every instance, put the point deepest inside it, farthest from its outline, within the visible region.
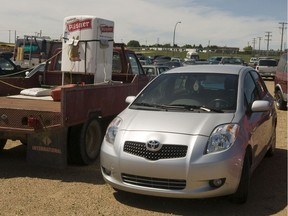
(280, 103)
(85, 142)
(2, 143)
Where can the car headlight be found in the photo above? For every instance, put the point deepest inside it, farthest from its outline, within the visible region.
(112, 130)
(222, 138)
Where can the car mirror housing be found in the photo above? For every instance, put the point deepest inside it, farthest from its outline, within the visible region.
(130, 99)
(260, 106)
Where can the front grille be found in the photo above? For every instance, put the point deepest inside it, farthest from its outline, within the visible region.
(171, 184)
(166, 152)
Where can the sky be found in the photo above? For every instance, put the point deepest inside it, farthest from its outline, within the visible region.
(231, 23)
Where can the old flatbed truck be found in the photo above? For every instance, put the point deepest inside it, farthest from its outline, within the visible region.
(69, 128)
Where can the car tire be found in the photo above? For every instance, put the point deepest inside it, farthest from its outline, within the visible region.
(272, 147)
(241, 195)
(280, 103)
(2, 143)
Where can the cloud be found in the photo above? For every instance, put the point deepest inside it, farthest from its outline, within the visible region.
(148, 21)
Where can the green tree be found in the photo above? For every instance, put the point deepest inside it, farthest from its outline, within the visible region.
(133, 43)
(248, 50)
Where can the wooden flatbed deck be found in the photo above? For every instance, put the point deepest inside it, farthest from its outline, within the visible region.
(30, 103)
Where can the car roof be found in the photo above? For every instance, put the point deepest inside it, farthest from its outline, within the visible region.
(162, 66)
(230, 69)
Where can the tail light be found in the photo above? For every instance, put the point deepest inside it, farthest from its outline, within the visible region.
(34, 122)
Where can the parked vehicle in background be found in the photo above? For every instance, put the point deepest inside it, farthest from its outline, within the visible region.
(267, 67)
(214, 59)
(173, 64)
(192, 132)
(189, 62)
(144, 60)
(192, 54)
(155, 70)
(175, 59)
(280, 83)
(161, 59)
(31, 50)
(232, 60)
(253, 62)
(7, 67)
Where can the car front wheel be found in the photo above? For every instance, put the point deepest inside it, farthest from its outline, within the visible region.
(241, 195)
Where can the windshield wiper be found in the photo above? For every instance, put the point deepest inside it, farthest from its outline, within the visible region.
(147, 105)
(193, 107)
(177, 107)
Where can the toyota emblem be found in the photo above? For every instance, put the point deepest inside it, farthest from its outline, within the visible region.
(153, 145)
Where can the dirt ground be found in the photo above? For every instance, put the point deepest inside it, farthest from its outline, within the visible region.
(32, 190)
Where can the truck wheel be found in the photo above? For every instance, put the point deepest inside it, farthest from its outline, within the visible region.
(280, 103)
(2, 143)
(241, 195)
(84, 146)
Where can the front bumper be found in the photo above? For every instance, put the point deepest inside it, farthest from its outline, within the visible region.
(182, 177)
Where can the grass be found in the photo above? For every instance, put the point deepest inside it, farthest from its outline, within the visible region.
(182, 55)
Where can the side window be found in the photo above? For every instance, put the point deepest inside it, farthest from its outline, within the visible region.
(250, 90)
(6, 65)
(260, 85)
(116, 63)
(58, 63)
(135, 67)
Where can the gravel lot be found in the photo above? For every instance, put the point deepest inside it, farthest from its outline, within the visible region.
(32, 190)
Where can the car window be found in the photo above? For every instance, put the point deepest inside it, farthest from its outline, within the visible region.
(136, 68)
(150, 71)
(116, 63)
(267, 62)
(6, 65)
(162, 69)
(260, 85)
(250, 90)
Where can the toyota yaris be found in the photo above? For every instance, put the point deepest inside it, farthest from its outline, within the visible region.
(193, 132)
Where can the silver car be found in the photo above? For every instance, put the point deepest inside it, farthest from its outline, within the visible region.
(193, 132)
(155, 70)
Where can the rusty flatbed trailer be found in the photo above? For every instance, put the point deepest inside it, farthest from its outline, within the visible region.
(57, 130)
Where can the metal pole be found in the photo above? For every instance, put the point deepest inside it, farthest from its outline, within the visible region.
(174, 36)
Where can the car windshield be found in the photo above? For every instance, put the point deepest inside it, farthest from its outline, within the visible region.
(190, 92)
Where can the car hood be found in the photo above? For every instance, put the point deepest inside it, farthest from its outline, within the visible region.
(173, 122)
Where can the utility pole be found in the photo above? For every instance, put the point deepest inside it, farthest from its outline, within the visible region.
(268, 35)
(259, 43)
(253, 42)
(282, 33)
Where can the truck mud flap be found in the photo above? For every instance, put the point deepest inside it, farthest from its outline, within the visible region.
(48, 148)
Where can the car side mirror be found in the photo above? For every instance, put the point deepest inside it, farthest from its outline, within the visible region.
(130, 99)
(260, 106)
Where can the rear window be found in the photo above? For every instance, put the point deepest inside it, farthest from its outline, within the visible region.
(267, 62)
